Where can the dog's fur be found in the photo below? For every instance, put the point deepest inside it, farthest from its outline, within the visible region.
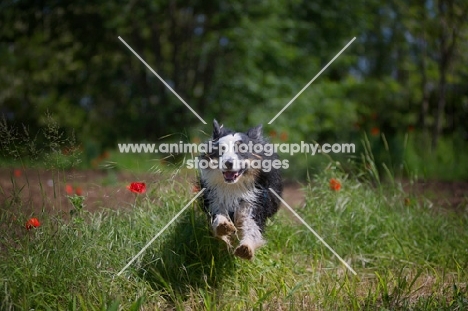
(238, 200)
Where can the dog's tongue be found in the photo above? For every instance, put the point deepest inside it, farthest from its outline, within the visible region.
(230, 175)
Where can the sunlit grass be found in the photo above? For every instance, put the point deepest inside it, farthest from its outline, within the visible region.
(406, 256)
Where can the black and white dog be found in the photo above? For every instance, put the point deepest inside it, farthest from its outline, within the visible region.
(236, 197)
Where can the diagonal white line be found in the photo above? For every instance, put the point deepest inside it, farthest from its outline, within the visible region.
(160, 232)
(164, 82)
(315, 233)
(316, 76)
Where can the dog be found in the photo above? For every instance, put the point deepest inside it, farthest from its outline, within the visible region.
(237, 198)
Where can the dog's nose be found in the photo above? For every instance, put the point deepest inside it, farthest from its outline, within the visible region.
(228, 164)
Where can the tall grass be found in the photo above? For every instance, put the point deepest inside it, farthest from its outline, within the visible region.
(407, 254)
(449, 161)
(407, 257)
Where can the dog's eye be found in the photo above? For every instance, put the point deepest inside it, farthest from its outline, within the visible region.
(239, 147)
(242, 147)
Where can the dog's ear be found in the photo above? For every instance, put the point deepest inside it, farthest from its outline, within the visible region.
(255, 132)
(216, 129)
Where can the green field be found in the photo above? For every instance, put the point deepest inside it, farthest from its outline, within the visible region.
(408, 255)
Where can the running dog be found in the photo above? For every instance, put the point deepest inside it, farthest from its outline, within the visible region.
(237, 198)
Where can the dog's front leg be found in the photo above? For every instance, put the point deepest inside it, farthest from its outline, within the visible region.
(223, 228)
(251, 236)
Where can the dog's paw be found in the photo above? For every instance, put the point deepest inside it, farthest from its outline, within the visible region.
(225, 228)
(244, 251)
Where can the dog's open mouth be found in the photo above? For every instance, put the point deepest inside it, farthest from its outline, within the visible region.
(232, 176)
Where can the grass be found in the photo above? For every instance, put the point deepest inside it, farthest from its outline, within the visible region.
(449, 161)
(407, 256)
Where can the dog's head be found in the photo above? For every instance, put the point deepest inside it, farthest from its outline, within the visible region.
(232, 152)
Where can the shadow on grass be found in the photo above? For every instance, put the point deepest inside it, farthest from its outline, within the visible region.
(189, 260)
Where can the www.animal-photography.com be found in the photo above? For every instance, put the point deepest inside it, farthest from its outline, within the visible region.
(223, 155)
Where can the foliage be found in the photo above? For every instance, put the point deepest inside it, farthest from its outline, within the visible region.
(230, 60)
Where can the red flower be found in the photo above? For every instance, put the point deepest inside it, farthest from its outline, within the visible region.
(78, 191)
(375, 131)
(196, 188)
(137, 187)
(32, 223)
(272, 133)
(17, 173)
(335, 184)
(68, 189)
(284, 136)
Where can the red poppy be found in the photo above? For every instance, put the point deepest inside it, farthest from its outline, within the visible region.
(335, 184)
(137, 187)
(375, 131)
(78, 191)
(17, 173)
(284, 136)
(32, 223)
(68, 189)
(272, 133)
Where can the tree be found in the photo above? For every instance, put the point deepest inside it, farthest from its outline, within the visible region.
(452, 25)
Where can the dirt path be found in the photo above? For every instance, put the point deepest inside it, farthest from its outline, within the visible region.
(446, 195)
(32, 192)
